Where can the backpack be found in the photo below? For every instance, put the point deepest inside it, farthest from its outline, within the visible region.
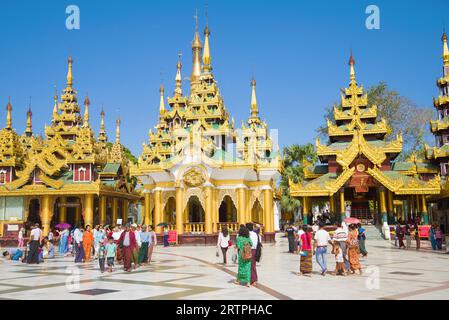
(246, 254)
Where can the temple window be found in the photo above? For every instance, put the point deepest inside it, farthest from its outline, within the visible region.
(82, 174)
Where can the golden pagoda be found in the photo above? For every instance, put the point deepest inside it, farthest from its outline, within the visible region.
(439, 154)
(68, 175)
(200, 173)
(358, 167)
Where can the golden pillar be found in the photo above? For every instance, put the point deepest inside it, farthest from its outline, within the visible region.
(268, 215)
(342, 205)
(114, 212)
(208, 219)
(215, 211)
(382, 205)
(62, 210)
(305, 210)
(125, 204)
(88, 209)
(179, 210)
(102, 209)
(241, 214)
(46, 213)
(332, 204)
(147, 209)
(157, 210)
(78, 214)
(424, 214)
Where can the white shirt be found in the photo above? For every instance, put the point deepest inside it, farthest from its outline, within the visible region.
(315, 228)
(300, 232)
(78, 236)
(35, 234)
(341, 235)
(138, 239)
(223, 241)
(116, 235)
(254, 239)
(322, 237)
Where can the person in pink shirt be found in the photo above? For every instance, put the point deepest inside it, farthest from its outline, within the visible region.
(305, 266)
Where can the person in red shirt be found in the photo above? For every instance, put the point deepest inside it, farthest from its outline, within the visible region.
(128, 243)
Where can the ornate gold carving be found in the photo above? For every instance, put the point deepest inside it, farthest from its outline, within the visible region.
(194, 177)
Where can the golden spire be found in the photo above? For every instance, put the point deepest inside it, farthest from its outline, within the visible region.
(29, 129)
(445, 50)
(69, 72)
(117, 130)
(178, 79)
(351, 68)
(102, 130)
(86, 111)
(161, 103)
(55, 106)
(8, 115)
(254, 107)
(206, 51)
(196, 51)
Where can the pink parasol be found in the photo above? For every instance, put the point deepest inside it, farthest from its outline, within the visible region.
(352, 220)
(63, 226)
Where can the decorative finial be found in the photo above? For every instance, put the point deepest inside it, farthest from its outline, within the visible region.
(196, 51)
(86, 110)
(117, 130)
(9, 114)
(28, 130)
(55, 106)
(254, 106)
(206, 51)
(445, 49)
(69, 72)
(178, 78)
(161, 102)
(351, 69)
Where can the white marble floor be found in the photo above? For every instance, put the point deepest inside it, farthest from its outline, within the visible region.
(195, 273)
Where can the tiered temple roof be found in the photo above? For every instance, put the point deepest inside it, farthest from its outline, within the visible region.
(200, 124)
(38, 164)
(358, 146)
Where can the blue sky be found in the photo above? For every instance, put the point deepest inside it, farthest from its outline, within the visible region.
(297, 50)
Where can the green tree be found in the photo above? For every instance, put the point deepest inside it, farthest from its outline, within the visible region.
(294, 158)
(402, 116)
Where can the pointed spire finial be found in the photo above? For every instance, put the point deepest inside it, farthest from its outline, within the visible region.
(86, 110)
(206, 51)
(351, 68)
(445, 49)
(196, 52)
(55, 106)
(254, 106)
(9, 114)
(178, 78)
(69, 72)
(161, 102)
(117, 130)
(28, 130)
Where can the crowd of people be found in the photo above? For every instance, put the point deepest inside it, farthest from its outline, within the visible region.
(347, 243)
(131, 245)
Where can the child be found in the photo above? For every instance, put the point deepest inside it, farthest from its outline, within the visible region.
(340, 263)
(101, 255)
(111, 251)
(20, 238)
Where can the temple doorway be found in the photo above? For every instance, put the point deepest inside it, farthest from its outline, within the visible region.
(227, 211)
(195, 210)
(170, 211)
(33, 212)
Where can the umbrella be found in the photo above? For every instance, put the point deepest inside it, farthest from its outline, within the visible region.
(352, 220)
(63, 225)
(163, 224)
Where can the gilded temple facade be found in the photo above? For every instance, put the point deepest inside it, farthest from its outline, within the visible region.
(357, 174)
(68, 175)
(199, 173)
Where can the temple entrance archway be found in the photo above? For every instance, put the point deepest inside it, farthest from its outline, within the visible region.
(33, 212)
(227, 211)
(170, 211)
(195, 210)
(257, 212)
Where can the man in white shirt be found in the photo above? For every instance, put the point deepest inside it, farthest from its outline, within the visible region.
(79, 250)
(255, 241)
(322, 239)
(35, 240)
(341, 235)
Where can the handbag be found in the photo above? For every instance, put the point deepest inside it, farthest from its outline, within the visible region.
(234, 257)
(216, 253)
(229, 243)
(303, 253)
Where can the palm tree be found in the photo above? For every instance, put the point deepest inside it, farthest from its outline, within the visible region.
(296, 157)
